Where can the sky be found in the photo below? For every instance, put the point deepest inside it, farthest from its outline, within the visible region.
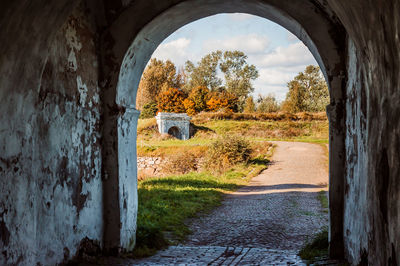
(277, 54)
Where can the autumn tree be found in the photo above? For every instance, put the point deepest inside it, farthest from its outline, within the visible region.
(222, 101)
(249, 106)
(157, 75)
(308, 92)
(189, 107)
(199, 96)
(267, 104)
(171, 100)
(238, 75)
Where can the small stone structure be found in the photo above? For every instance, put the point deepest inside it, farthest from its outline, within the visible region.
(174, 124)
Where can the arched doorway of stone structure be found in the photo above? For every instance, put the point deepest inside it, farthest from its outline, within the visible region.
(174, 131)
(134, 45)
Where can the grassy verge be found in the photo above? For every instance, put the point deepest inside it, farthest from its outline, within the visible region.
(318, 247)
(323, 199)
(166, 203)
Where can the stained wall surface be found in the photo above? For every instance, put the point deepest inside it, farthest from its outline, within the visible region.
(372, 185)
(68, 120)
(50, 152)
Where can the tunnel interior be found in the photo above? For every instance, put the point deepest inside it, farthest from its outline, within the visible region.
(68, 118)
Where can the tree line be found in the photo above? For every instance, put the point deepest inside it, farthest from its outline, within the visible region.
(222, 82)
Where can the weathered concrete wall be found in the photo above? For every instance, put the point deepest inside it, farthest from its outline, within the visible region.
(355, 234)
(372, 194)
(50, 154)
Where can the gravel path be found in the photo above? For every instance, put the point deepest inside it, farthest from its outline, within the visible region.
(264, 223)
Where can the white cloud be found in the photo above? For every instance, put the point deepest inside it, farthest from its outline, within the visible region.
(272, 76)
(279, 66)
(273, 80)
(177, 51)
(249, 44)
(278, 91)
(293, 55)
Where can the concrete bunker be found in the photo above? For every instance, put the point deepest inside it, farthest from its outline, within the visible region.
(177, 125)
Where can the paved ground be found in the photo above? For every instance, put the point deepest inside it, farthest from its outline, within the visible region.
(277, 210)
(264, 223)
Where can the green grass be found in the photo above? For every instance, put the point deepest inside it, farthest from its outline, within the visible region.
(319, 245)
(323, 199)
(175, 142)
(316, 248)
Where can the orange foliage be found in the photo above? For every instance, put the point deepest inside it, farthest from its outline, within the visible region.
(171, 100)
(189, 107)
(222, 100)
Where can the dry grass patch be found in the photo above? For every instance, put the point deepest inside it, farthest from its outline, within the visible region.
(275, 116)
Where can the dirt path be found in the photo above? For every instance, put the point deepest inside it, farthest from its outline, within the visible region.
(265, 222)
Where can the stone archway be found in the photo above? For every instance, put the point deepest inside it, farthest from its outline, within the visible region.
(67, 112)
(132, 46)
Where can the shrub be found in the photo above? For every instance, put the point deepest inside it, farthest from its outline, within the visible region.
(149, 110)
(226, 152)
(147, 126)
(181, 163)
(267, 104)
(277, 116)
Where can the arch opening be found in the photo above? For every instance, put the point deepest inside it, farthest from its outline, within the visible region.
(174, 131)
(301, 19)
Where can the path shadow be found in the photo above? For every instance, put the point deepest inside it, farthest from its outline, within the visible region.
(281, 186)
